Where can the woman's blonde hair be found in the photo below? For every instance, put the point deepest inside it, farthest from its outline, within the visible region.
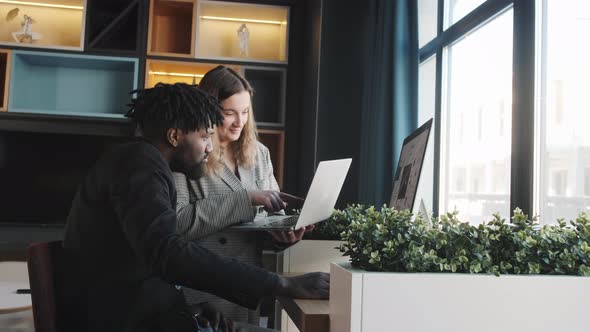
(223, 82)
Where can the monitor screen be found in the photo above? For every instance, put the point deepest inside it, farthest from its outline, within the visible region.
(405, 183)
(40, 173)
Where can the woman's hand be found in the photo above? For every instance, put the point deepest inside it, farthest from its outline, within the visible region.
(269, 199)
(274, 201)
(290, 236)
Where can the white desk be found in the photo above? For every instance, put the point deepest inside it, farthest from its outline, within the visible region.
(10, 301)
(16, 314)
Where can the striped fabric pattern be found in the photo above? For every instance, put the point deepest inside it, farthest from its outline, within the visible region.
(207, 206)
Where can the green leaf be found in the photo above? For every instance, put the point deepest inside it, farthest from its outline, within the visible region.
(389, 240)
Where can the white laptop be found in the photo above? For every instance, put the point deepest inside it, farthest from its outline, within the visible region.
(319, 203)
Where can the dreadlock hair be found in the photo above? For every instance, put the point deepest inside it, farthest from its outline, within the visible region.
(223, 82)
(178, 105)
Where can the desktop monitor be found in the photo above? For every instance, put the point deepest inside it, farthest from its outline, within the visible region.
(409, 167)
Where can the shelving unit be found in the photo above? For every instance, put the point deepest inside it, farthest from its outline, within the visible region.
(4, 79)
(274, 140)
(53, 83)
(56, 24)
(208, 31)
(268, 104)
(113, 26)
(167, 71)
(269, 94)
(172, 28)
(66, 124)
(185, 39)
(217, 30)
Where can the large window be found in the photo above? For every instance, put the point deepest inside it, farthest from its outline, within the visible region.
(489, 101)
(476, 118)
(564, 113)
(427, 15)
(457, 9)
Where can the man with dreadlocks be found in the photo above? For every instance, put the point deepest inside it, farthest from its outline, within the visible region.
(123, 256)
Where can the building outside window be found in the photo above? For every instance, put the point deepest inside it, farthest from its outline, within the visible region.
(473, 100)
(478, 70)
(563, 138)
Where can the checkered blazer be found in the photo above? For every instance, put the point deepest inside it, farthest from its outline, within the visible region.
(212, 203)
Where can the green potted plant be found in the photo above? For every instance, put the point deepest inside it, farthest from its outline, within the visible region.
(420, 275)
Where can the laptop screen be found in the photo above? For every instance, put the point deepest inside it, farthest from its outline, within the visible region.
(409, 167)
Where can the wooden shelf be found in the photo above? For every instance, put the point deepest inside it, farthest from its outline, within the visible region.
(274, 140)
(172, 28)
(60, 27)
(268, 102)
(78, 85)
(66, 124)
(4, 79)
(177, 71)
(218, 24)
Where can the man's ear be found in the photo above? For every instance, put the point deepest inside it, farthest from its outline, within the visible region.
(174, 136)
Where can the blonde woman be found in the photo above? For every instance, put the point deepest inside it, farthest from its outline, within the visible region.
(236, 184)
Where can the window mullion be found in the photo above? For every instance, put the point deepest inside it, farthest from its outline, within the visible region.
(437, 113)
(523, 107)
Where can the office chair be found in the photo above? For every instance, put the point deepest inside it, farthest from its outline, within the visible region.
(44, 263)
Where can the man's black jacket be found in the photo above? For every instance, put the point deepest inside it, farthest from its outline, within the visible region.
(123, 256)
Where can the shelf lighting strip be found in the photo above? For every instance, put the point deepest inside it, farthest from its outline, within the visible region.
(38, 4)
(163, 73)
(219, 18)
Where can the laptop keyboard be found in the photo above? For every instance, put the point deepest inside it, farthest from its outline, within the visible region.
(289, 222)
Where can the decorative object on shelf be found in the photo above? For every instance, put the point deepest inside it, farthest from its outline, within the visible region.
(26, 35)
(243, 36)
(236, 30)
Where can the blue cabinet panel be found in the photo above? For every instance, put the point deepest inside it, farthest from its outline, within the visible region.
(70, 84)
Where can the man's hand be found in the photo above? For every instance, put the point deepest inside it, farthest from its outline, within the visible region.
(290, 237)
(273, 201)
(315, 286)
(209, 319)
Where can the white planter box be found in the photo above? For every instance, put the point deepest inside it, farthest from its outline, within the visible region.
(427, 302)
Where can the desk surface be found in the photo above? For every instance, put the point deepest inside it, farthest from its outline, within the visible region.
(308, 315)
(10, 301)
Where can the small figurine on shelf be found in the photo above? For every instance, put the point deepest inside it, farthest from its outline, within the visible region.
(26, 35)
(243, 36)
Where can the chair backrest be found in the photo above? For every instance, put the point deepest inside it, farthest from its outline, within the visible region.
(44, 263)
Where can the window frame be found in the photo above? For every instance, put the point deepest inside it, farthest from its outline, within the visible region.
(522, 190)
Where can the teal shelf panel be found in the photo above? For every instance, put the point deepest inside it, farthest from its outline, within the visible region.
(71, 84)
